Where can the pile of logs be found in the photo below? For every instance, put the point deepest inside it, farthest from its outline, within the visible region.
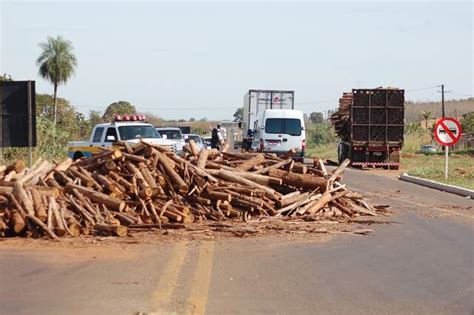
(340, 118)
(145, 186)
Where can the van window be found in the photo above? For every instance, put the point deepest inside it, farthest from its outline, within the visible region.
(290, 126)
(98, 134)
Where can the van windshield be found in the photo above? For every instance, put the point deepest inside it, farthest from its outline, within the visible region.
(136, 132)
(290, 126)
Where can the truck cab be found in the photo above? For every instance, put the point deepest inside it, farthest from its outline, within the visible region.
(173, 134)
(132, 130)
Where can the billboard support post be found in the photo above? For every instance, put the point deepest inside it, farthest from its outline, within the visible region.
(30, 127)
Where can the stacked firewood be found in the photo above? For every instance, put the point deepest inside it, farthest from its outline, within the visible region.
(146, 186)
(340, 118)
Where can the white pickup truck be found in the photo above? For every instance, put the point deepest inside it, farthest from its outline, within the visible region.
(104, 135)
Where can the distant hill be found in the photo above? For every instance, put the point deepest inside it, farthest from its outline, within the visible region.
(453, 108)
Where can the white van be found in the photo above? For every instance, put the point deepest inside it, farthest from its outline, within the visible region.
(280, 130)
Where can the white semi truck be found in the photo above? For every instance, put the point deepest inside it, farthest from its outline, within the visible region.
(271, 124)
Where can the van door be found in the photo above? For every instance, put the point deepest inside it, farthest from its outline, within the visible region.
(282, 134)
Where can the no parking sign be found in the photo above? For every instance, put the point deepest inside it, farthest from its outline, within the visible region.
(447, 131)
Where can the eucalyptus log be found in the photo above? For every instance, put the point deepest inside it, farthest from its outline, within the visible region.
(299, 180)
(106, 229)
(113, 203)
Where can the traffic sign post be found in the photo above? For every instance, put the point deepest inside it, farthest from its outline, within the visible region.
(447, 132)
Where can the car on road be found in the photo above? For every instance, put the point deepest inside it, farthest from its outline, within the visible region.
(174, 134)
(427, 148)
(131, 129)
(197, 139)
(207, 142)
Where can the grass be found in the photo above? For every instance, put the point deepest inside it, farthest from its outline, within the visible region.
(461, 168)
(431, 166)
(328, 151)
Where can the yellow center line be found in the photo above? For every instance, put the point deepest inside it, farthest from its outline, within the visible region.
(169, 276)
(197, 299)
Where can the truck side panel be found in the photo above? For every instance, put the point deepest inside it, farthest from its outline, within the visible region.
(257, 101)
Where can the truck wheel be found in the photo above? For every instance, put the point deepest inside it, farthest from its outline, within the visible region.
(77, 156)
(341, 153)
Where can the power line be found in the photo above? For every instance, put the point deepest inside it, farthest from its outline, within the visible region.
(422, 89)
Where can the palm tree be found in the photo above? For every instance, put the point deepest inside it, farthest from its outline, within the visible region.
(56, 64)
(426, 116)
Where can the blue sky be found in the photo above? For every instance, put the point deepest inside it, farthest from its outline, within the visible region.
(181, 60)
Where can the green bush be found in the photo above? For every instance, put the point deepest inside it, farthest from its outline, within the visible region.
(320, 134)
(51, 143)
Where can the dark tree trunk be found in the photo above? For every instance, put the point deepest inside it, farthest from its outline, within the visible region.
(55, 108)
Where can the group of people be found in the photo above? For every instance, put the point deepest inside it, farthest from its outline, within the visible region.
(218, 137)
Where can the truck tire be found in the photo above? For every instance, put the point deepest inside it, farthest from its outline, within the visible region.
(341, 153)
(77, 156)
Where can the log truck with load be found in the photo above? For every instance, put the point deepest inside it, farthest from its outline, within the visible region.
(128, 128)
(370, 125)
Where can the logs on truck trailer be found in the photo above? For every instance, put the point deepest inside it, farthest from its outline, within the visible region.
(145, 186)
(370, 125)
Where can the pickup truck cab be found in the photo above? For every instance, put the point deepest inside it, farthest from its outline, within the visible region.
(104, 135)
(173, 134)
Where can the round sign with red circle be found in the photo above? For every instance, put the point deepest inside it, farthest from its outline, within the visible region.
(447, 131)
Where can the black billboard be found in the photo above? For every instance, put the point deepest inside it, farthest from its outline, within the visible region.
(18, 114)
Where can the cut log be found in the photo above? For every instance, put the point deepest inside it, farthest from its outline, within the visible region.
(17, 222)
(61, 166)
(299, 180)
(215, 195)
(235, 177)
(42, 226)
(111, 202)
(276, 165)
(249, 164)
(193, 148)
(283, 202)
(40, 209)
(42, 169)
(337, 172)
(59, 226)
(203, 154)
(116, 230)
(173, 175)
(288, 154)
(16, 166)
(21, 195)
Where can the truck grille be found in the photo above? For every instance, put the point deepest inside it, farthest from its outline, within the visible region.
(172, 147)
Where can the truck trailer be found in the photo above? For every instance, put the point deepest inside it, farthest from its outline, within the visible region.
(370, 125)
(271, 123)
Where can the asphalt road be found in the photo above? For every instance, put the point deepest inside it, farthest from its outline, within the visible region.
(421, 265)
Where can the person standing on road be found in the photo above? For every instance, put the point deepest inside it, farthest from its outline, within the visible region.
(223, 131)
(221, 137)
(214, 138)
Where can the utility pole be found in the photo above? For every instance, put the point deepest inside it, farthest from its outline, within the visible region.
(442, 101)
(443, 112)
